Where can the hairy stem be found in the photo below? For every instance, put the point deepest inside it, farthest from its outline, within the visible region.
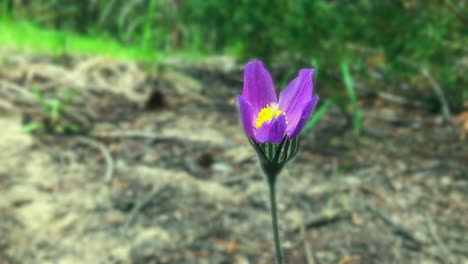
(274, 221)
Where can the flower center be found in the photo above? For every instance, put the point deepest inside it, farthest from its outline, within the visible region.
(267, 113)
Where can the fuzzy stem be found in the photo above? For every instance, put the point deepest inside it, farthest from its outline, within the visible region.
(274, 221)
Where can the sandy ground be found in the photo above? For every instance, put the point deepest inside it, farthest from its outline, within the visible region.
(162, 173)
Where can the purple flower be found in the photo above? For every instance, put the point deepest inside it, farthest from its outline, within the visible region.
(263, 116)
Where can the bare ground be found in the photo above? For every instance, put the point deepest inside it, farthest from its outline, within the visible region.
(161, 172)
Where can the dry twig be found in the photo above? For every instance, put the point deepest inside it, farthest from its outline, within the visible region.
(325, 218)
(396, 228)
(4, 104)
(10, 87)
(105, 153)
(135, 134)
(401, 100)
(445, 251)
(440, 94)
(238, 179)
(137, 208)
(307, 248)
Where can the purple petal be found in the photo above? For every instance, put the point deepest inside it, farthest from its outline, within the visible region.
(306, 111)
(258, 86)
(295, 95)
(246, 115)
(272, 130)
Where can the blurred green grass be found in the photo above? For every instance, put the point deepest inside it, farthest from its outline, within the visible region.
(32, 38)
(371, 37)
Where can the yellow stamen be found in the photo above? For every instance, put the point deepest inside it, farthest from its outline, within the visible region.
(267, 113)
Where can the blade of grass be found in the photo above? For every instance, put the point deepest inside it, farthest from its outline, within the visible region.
(348, 81)
(147, 33)
(31, 127)
(107, 8)
(287, 77)
(55, 109)
(5, 11)
(40, 98)
(317, 115)
(315, 64)
(69, 93)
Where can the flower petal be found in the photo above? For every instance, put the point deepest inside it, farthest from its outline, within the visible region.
(306, 111)
(272, 130)
(258, 86)
(295, 95)
(246, 115)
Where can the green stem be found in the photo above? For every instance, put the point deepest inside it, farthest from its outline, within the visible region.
(274, 221)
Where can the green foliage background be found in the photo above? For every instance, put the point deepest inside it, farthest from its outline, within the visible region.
(396, 38)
